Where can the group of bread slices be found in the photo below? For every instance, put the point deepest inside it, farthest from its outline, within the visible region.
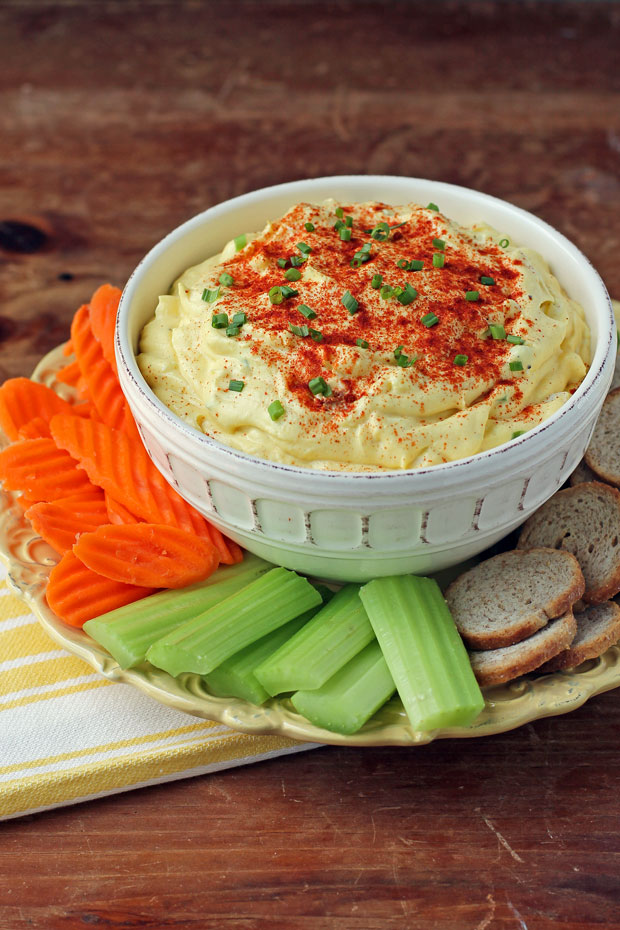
(548, 604)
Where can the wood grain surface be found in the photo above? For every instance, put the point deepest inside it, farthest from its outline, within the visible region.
(118, 120)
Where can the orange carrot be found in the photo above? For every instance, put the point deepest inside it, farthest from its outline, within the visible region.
(21, 400)
(147, 554)
(100, 379)
(102, 311)
(41, 470)
(77, 594)
(67, 349)
(37, 428)
(118, 513)
(61, 522)
(69, 374)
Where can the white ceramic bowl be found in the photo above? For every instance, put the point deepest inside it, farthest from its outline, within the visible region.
(354, 526)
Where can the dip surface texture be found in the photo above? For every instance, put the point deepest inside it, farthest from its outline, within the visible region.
(364, 337)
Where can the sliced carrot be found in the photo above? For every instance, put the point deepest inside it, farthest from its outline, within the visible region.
(100, 380)
(69, 374)
(77, 594)
(26, 502)
(67, 348)
(41, 470)
(21, 400)
(118, 513)
(61, 522)
(37, 428)
(148, 554)
(102, 311)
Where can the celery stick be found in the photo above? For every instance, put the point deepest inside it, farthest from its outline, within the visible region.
(203, 643)
(337, 633)
(127, 632)
(423, 650)
(350, 697)
(235, 677)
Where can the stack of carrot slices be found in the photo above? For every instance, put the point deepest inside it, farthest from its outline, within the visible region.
(89, 488)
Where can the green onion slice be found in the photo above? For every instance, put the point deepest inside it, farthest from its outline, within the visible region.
(303, 248)
(349, 302)
(381, 232)
(210, 296)
(219, 320)
(461, 359)
(407, 295)
(484, 279)
(239, 318)
(275, 295)
(504, 243)
(316, 335)
(306, 311)
(472, 295)
(240, 242)
(345, 234)
(497, 331)
(309, 227)
(348, 221)
(376, 281)
(432, 206)
(297, 260)
(293, 274)
(361, 343)
(386, 292)
(288, 292)
(439, 260)
(517, 365)
(429, 319)
(439, 244)
(302, 330)
(226, 279)
(275, 410)
(282, 262)
(416, 264)
(237, 386)
(339, 212)
(319, 386)
(233, 330)
(515, 340)
(517, 433)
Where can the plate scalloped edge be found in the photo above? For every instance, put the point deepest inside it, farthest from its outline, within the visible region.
(29, 560)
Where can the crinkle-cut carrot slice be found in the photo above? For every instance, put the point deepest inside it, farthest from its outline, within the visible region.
(230, 552)
(77, 594)
(25, 502)
(61, 522)
(118, 513)
(103, 309)
(68, 374)
(21, 400)
(148, 554)
(67, 348)
(37, 428)
(41, 470)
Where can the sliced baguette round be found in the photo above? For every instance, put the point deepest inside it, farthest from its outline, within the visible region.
(581, 474)
(584, 520)
(598, 628)
(603, 452)
(506, 598)
(496, 666)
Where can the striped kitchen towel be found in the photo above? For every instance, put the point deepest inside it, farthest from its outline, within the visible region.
(69, 735)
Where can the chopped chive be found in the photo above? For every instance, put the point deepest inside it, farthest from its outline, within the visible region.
(282, 262)
(472, 295)
(302, 330)
(339, 212)
(429, 319)
(407, 295)
(517, 433)
(275, 410)
(376, 281)
(309, 227)
(361, 343)
(432, 206)
(210, 296)
(497, 331)
(348, 221)
(386, 292)
(293, 274)
(236, 386)
(398, 290)
(288, 292)
(345, 234)
(461, 359)
(404, 361)
(338, 225)
(239, 318)
(303, 248)
(515, 340)
(319, 386)
(240, 242)
(349, 302)
(484, 279)
(403, 263)
(381, 232)
(226, 279)
(316, 335)
(297, 260)
(398, 351)
(233, 330)
(439, 260)
(307, 312)
(219, 320)
(439, 244)
(504, 243)
(517, 365)
(416, 264)
(275, 295)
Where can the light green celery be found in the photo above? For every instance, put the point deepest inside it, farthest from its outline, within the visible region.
(423, 650)
(127, 632)
(203, 643)
(235, 677)
(337, 633)
(350, 697)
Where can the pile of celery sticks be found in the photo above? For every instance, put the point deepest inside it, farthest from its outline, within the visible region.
(254, 632)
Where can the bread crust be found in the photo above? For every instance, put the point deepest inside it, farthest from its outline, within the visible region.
(603, 453)
(598, 628)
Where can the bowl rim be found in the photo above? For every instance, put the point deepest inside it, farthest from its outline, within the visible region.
(602, 361)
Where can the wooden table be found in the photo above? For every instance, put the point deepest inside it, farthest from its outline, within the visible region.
(118, 121)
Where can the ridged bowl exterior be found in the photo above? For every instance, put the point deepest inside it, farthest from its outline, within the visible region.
(355, 526)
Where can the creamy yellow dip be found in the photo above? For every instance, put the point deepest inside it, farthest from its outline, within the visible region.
(365, 337)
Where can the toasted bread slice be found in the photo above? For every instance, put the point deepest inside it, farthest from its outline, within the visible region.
(584, 520)
(510, 596)
(598, 628)
(603, 452)
(495, 666)
(582, 474)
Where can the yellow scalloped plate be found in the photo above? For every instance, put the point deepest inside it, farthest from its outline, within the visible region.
(30, 560)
